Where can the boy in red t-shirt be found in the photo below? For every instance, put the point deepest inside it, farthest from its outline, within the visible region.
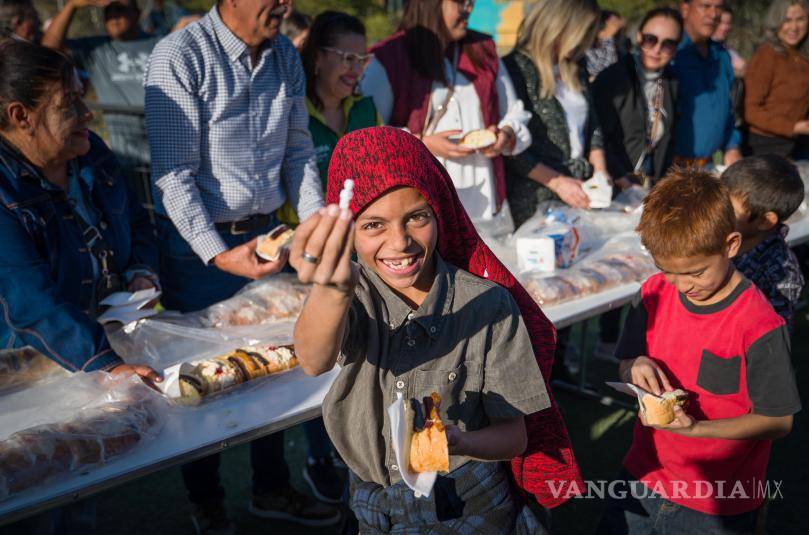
(702, 327)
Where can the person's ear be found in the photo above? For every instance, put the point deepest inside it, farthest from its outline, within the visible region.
(19, 118)
(684, 7)
(734, 243)
(767, 221)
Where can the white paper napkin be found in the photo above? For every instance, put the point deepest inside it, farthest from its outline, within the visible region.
(126, 307)
(599, 190)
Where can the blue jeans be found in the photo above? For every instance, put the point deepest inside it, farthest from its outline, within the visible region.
(649, 514)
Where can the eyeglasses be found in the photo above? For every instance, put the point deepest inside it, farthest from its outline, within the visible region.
(465, 4)
(350, 59)
(667, 46)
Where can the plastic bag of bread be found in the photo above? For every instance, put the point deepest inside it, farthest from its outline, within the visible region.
(275, 298)
(24, 367)
(56, 441)
(549, 290)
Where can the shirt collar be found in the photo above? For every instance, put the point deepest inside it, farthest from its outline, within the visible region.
(779, 234)
(436, 306)
(688, 45)
(18, 164)
(234, 47)
(347, 104)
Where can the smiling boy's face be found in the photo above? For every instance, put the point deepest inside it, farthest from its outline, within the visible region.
(396, 236)
(703, 279)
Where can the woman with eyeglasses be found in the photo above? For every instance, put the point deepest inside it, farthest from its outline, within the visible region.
(334, 58)
(776, 101)
(635, 101)
(441, 80)
(548, 71)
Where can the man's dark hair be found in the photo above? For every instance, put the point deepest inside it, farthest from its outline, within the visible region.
(295, 24)
(26, 73)
(767, 183)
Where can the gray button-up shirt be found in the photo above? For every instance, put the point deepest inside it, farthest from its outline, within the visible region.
(467, 342)
(228, 139)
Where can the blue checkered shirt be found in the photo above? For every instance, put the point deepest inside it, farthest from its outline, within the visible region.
(227, 141)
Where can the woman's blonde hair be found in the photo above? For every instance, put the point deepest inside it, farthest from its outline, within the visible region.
(775, 19)
(558, 32)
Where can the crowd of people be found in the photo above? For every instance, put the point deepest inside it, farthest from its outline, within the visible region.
(255, 114)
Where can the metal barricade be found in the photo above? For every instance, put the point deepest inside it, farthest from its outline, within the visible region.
(124, 130)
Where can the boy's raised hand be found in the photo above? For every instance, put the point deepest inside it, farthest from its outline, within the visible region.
(646, 374)
(321, 250)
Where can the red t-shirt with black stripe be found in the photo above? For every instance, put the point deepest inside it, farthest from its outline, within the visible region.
(733, 358)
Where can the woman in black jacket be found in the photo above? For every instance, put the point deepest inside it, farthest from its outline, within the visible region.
(635, 101)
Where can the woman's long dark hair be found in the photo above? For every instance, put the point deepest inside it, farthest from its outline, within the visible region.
(427, 39)
(326, 29)
(27, 71)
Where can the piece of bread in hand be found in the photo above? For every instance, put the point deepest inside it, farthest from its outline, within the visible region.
(271, 244)
(479, 139)
(429, 451)
(660, 410)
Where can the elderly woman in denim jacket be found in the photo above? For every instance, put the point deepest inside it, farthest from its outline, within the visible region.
(69, 231)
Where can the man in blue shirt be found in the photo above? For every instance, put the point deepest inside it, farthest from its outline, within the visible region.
(705, 72)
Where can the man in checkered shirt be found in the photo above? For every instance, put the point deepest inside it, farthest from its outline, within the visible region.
(229, 141)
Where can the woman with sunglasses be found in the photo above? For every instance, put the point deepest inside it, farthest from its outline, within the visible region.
(334, 59)
(441, 80)
(776, 102)
(635, 101)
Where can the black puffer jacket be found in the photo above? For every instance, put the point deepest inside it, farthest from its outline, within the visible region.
(623, 116)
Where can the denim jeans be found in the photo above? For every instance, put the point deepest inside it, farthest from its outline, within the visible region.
(649, 514)
(320, 445)
(190, 285)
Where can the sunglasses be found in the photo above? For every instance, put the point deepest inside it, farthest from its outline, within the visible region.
(350, 59)
(648, 41)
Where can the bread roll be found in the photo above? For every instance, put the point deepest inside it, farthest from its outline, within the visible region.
(271, 245)
(660, 410)
(478, 139)
(429, 451)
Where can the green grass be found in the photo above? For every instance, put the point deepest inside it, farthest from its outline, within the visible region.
(156, 504)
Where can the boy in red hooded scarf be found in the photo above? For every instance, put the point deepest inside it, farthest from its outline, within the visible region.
(428, 308)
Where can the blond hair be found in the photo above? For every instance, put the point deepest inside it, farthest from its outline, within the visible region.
(558, 32)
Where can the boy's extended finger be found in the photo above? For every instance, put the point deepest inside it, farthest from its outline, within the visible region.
(313, 247)
(333, 249)
(343, 271)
